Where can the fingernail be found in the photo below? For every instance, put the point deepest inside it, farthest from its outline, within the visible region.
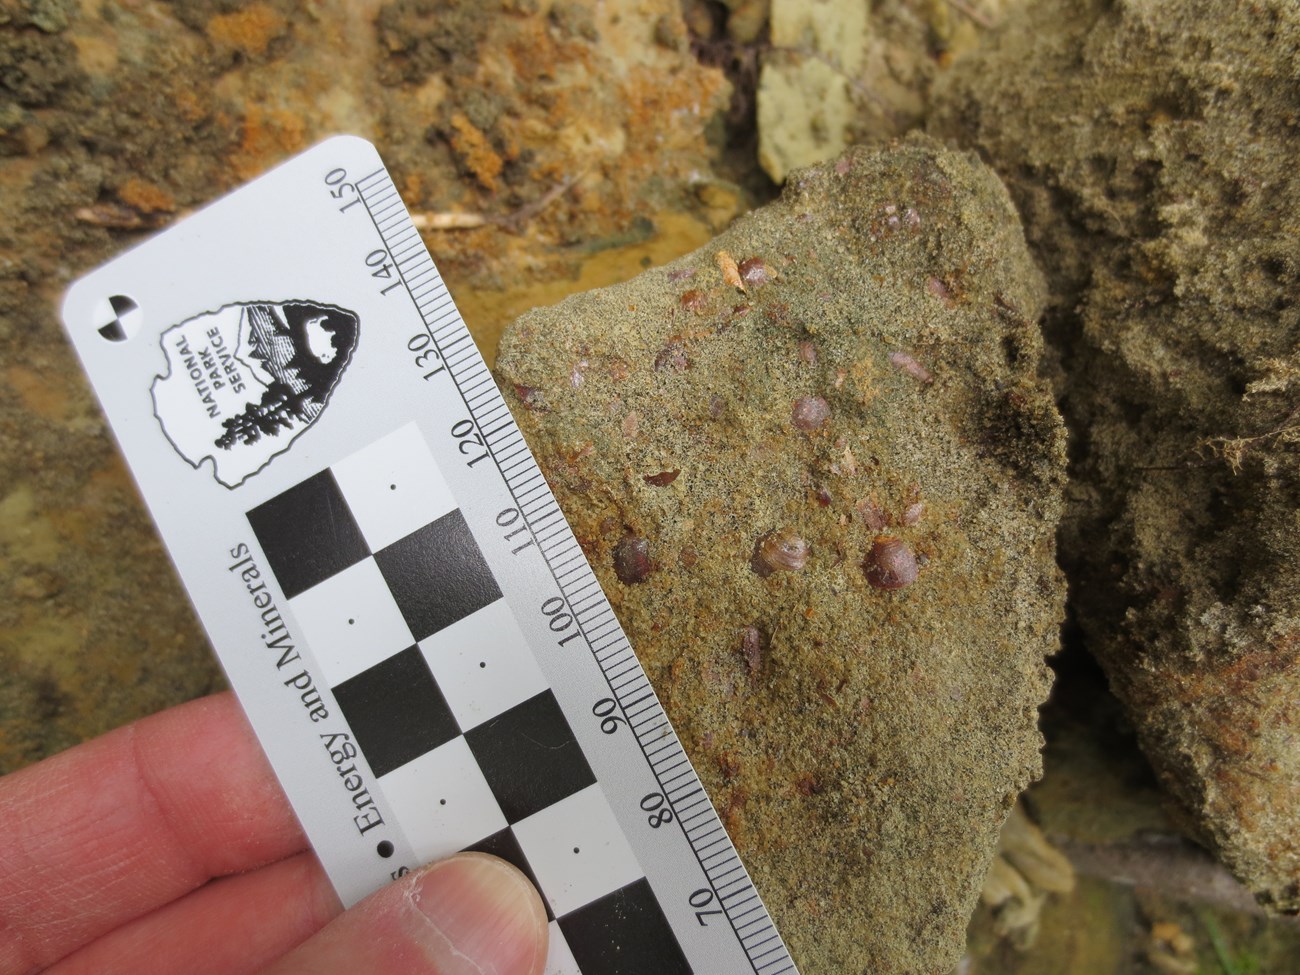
(483, 915)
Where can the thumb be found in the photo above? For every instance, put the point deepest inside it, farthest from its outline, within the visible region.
(469, 915)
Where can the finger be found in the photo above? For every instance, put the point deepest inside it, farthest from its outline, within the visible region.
(232, 926)
(470, 915)
(119, 826)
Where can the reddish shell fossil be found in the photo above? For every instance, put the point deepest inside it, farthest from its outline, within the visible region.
(779, 552)
(873, 516)
(672, 358)
(906, 364)
(531, 397)
(694, 300)
(754, 272)
(810, 413)
(891, 564)
(662, 479)
(753, 647)
(632, 562)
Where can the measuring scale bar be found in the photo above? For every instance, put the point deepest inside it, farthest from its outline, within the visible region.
(401, 607)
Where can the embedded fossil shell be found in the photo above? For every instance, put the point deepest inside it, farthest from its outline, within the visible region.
(780, 552)
(754, 272)
(891, 564)
(632, 562)
(810, 413)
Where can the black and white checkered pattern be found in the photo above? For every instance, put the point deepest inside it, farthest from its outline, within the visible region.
(446, 700)
(117, 317)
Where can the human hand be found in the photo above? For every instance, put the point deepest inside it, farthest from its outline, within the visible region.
(168, 846)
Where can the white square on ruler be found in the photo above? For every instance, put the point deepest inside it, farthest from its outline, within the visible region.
(577, 850)
(559, 959)
(483, 665)
(442, 801)
(393, 486)
(351, 622)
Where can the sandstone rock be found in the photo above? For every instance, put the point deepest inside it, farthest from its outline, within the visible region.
(1151, 149)
(836, 72)
(805, 102)
(735, 438)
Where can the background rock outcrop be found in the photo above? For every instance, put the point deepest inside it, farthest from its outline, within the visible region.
(541, 127)
(818, 477)
(1151, 149)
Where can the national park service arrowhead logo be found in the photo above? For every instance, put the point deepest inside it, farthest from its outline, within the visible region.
(243, 382)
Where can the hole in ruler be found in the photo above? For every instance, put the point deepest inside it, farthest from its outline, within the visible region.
(575, 849)
(442, 802)
(482, 664)
(384, 849)
(351, 622)
(392, 487)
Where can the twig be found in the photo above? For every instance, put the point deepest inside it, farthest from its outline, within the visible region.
(1233, 449)
(981, 19)
(525, 213)
(448, 221)
(514, 220)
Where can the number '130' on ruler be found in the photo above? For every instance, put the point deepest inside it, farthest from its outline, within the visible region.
(410, 625)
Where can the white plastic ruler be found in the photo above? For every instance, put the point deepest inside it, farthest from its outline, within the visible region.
(408, 621)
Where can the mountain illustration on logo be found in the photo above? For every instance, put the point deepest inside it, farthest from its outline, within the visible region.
(243, 382)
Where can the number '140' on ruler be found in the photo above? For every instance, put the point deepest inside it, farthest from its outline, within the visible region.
(410, 625)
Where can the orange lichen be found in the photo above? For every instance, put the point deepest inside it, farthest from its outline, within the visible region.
(413, 186)
(733, 816)
(476, 152)
(39, 394)
(146, 197)
(250, 30)
(538, 57)
(268, 136)
(190, 106)
(654, 105)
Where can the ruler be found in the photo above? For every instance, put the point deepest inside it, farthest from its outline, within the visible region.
(396, 598)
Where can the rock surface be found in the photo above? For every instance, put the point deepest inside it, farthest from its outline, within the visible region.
(818, 478)
(1151, 149)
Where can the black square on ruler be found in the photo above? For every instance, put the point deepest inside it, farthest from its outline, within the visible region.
(624, 933)
(505, 846)
(529, 757)
(396, 711)
(308, 533)
(437, 575)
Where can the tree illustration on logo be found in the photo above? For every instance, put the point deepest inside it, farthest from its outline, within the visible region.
(304, 347)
